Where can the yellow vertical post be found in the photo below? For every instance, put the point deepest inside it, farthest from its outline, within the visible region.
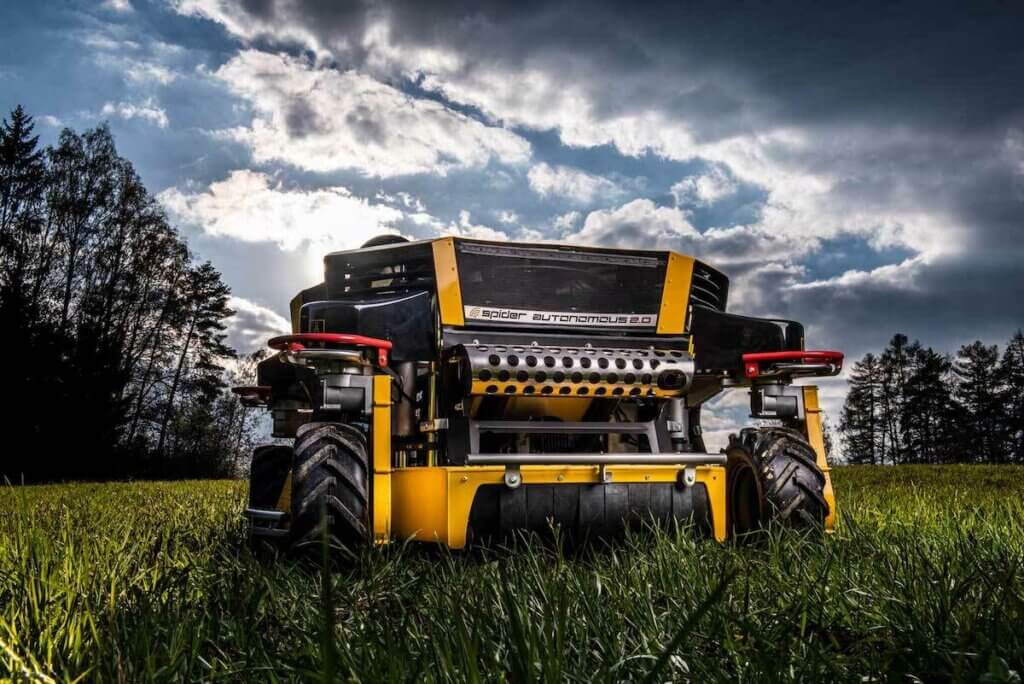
(449, 294)
(815, 435)
(675, 295)
(381, 496)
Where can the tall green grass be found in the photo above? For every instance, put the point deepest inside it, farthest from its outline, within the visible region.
(153, 582)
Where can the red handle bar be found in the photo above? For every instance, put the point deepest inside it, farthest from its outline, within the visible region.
(752, 362)
(299, 341)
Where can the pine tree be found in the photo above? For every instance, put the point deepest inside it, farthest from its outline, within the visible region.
(928, 410)
(22, 170)
(1011, 372)
(896, 367)
(205, 308)
(22, 184)
(860, 421)
(979, 390)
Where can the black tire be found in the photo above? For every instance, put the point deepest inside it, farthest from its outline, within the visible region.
(773, 476)
(330, 487)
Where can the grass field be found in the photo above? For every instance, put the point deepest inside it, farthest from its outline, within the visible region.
(152, 581)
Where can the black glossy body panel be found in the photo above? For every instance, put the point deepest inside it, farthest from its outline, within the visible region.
(407, 320)
(720, 339)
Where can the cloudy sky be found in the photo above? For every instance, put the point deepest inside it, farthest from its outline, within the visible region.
(861, 170)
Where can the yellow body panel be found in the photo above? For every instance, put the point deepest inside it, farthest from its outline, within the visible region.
(381, 458)
(449, 293)
(675, 296)
(525, 407)
(816, 437)
(433, 504)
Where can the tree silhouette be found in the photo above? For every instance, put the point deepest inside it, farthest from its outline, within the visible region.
(113, 337)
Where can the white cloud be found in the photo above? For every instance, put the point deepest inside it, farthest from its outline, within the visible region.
(1013, 149)
(466, 228)
(118, 5)
(248, 206)
(508, 217)
(147, 72)
(805, 172)
(570, 183)
(567, 221)
(51, 120)
(136, 70)
(636, 224)
(232, 15)
(252, 324)
(705, 189)
(146, 111)
(322, 119)
(403, 199)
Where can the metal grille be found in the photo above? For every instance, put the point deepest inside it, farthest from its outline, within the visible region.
(709, 289)
(393, 269)
(576, 371)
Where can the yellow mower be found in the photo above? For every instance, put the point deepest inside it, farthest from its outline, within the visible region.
(460, 391)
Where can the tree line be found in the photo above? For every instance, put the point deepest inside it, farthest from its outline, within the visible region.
(911, 404)
(112, 345)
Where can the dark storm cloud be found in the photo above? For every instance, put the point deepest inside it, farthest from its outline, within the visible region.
(950, 66)
(906, 109)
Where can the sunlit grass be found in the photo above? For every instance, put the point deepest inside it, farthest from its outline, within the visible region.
(153, 581)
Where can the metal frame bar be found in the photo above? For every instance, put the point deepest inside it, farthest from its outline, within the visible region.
(532, 427)
(688, 459)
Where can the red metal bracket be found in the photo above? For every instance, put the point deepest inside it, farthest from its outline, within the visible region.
(752, 362)
(299, 341)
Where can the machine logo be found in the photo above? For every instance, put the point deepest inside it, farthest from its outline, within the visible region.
(559, 318)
